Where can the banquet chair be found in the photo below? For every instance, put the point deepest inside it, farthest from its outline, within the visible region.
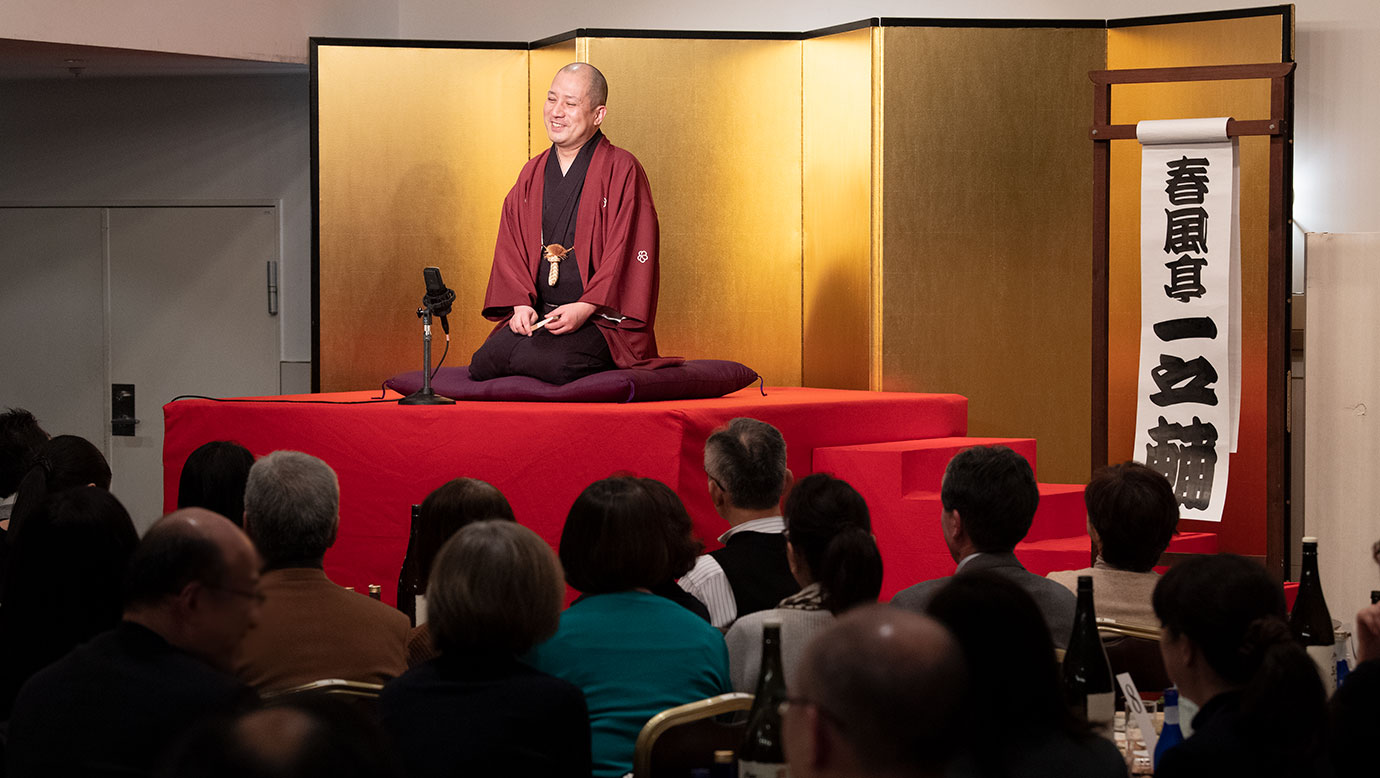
(358, 694)
(684, 737)
(1135, 649)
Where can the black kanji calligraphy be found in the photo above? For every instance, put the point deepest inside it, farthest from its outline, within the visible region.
(1187, 182)
(1187, 327)
(1185, 230)
(1185, 278)
(1186, 454)
(1184, 382)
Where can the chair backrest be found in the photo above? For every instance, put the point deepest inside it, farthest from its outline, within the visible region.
(684, 737)
(1135, 649)
(358, 694)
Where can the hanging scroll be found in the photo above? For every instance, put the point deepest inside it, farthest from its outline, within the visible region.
(1190, 354)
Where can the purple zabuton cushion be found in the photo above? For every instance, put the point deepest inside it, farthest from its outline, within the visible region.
(696, 379)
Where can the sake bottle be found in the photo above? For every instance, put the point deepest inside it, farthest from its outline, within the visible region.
(411, 587)
(1170, 734)
(1087, 675)
(1310, 620)
(762, 754)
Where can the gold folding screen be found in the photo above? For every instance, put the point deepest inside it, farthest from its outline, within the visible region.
(716, 124)
(901, 205)
(986, 228)
(416, 149)
(840, 342)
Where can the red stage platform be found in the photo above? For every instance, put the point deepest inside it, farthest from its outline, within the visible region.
(541, 455)
(892, 447)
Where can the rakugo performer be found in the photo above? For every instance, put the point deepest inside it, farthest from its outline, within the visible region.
(574, 279)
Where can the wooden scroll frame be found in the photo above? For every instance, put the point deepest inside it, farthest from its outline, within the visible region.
(1277, 127)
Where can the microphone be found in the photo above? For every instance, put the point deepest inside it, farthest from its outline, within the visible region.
(438, 298)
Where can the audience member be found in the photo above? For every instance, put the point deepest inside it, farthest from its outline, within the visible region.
(1132, 515)
(61, 463)
(1355, 708)
(477, 709)
(683, 546)
(20, 437)
(63, 587)
(310, 628)
(1016, 723)
(632, 653)
(213, 478)
(989, 498)
(746, 464)
(834, 558)
(452, 506)
(1227, 646)
(878, 694)
(305, 738)
(112, 705)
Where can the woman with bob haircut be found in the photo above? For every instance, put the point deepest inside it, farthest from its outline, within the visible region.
(1227, 646)
(833, 557)
(477, 709)
(449, 508)
(634, 654)
(213, 477)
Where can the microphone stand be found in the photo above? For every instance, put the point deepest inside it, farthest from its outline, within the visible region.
(425, 396)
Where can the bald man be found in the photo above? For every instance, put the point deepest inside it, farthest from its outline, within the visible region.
(112, 705)
(575, 276)
(878, 694)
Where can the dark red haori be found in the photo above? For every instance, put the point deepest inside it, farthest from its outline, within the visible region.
(616, 233)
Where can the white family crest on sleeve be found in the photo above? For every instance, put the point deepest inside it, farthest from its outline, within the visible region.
(606, 203)
(642, 257)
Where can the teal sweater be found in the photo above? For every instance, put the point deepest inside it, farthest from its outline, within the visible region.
(633, 655)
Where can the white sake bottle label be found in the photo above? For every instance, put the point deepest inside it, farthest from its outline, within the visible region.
(762, 770)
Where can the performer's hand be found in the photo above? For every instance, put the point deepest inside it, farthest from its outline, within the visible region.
(1368, 633)
(524, 316)
(569, 317)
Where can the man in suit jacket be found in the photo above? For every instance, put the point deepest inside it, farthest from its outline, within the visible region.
(989, 498)
(310, 629)
(112, 705)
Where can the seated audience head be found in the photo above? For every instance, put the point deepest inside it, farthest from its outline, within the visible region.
(61, 463)
(20, 438)
(682, 547)
(998, 625)
(213, 478)
(451, 507)
(302, 738)
(64, 580)
(291, 509)
(989, 498)
(746, 463)
(194, 579)
(829, 542)
(609, 545)
(476, 579)
(877, 694)
(1223, 629)
(1132, 515)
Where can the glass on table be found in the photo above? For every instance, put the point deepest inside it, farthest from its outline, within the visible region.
(1131, 741)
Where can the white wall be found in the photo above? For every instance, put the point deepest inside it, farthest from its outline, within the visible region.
(170, 139)
(267, 30)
